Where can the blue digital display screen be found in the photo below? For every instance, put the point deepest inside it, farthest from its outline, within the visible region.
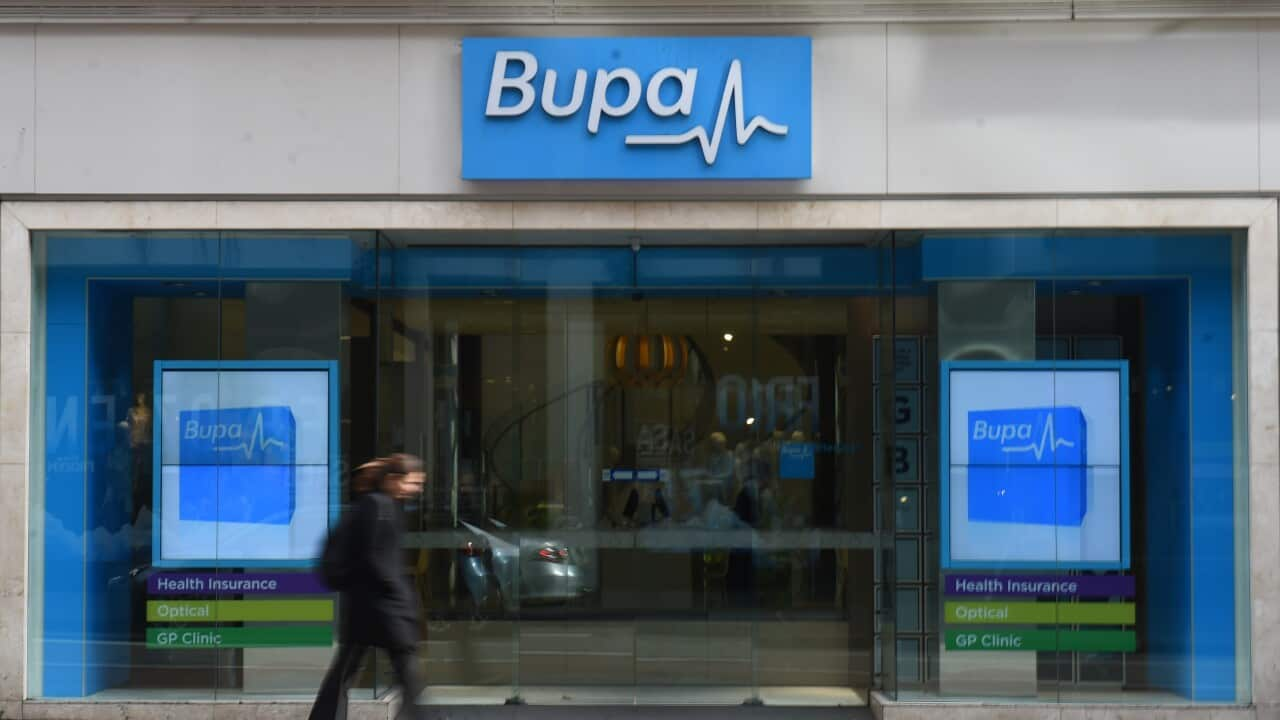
(245, 463)
(1035, 465)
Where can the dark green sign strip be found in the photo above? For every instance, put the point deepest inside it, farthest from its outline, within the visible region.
(1066, 640)
(240, 637)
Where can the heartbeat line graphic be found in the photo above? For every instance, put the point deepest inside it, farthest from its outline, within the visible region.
(257, 437)
(1047, 438)
(711, 145)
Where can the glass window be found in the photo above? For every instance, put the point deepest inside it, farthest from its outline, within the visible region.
(736, 465)
(198, 416)
(1075, 530)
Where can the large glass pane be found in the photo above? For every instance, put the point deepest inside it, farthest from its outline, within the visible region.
(104, 618)
(197, 387)
(1082, 531)
(649, 467)
(280, 428)
(989, 523)
(1162, 311)
(447, 390)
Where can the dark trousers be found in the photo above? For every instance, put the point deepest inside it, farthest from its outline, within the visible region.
(331, 701)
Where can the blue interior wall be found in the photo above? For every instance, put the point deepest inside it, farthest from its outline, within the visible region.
(64, 501)
(1212, 506)
(1166, 581)
(109, 491)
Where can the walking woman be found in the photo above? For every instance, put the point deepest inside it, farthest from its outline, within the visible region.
(378, 607)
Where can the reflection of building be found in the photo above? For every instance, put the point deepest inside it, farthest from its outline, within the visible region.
(511, 333)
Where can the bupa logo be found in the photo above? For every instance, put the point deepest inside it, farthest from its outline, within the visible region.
(636, 108)
(1028, 465)
(237, 465)
(1027, 436)
(237, 436)
(685, 81)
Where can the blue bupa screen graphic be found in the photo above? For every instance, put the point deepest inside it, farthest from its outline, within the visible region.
(1027, 465)
(237, 465)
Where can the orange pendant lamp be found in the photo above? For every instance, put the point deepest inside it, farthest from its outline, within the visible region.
(649, 360)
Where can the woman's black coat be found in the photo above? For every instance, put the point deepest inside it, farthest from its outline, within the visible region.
(379, 608)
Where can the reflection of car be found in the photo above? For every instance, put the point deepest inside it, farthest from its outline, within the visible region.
(524, 569)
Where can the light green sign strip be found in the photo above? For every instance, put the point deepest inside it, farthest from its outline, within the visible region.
(193, 638)
(202, 611)
(987, 612)
(1051, 640)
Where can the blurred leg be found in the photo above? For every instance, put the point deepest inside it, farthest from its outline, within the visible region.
(331, 701)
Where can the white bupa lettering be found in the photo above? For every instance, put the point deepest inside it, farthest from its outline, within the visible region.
(218, 432)
(1004, 433)
(600, 106)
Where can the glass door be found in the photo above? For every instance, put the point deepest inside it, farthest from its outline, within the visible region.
(653, 467)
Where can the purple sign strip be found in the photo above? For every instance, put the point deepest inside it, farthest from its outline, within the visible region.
(239, 584)
(1093, 586)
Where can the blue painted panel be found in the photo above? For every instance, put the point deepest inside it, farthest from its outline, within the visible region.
(292, 257)
(807, 269)
(64, 535)
(747, 116)
(577, 267)
(1167, 582)
(1061, 258)
(696, 267)
(957, 258)
(528, 271)
(64, 297)
(1212, 504)
(452, 267)
(136, 255)
(109, 489)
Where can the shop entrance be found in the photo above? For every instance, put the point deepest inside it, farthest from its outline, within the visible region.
(653, 464)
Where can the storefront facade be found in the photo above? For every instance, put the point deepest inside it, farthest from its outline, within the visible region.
(888, 366)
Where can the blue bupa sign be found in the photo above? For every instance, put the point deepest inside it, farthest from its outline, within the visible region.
(237, 465)
(636, 108)
(1027, 465)
(796, 461)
